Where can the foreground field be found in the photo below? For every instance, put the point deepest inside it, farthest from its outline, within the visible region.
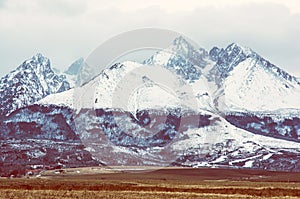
(162, 183)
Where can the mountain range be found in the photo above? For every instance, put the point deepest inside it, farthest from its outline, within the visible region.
(227, 107)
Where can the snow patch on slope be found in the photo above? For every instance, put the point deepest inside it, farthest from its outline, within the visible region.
(59, 99)
(130, 86)
(251, 87)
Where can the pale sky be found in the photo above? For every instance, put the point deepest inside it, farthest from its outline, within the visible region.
(64, 30)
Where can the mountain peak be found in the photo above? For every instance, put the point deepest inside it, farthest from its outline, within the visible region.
(39, 57)
(37, 62)
(183, 47)
(182, 56)
(30, 82)
(226, 59)
(75, 67)
(234, 54)
(233, 44)
(180, 41)
(237, 47)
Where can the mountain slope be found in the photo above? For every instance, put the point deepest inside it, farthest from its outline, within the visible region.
(224, 145)
(129, 86)
(30, 82)
(249, 82)
(189, 139)
(40, 137)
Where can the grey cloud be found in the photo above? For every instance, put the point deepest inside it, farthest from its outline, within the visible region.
(71, 31)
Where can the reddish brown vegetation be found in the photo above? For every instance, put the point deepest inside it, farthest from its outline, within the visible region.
(162, 183)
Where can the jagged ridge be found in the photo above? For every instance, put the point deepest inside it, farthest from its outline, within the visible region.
(30, 82)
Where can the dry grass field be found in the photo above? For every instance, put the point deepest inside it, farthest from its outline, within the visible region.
(162, 183)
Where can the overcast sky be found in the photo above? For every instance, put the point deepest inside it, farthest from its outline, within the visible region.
(65, 30)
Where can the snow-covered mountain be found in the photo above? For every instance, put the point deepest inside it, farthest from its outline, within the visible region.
(231, 79)
(181, 58)
(234, 79)
(31, 81)
(251, 83)
(229, 108)
(223, 82)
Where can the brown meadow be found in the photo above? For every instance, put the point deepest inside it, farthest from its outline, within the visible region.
(161, 183)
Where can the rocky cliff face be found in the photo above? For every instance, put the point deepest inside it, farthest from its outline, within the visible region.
(30, 82)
